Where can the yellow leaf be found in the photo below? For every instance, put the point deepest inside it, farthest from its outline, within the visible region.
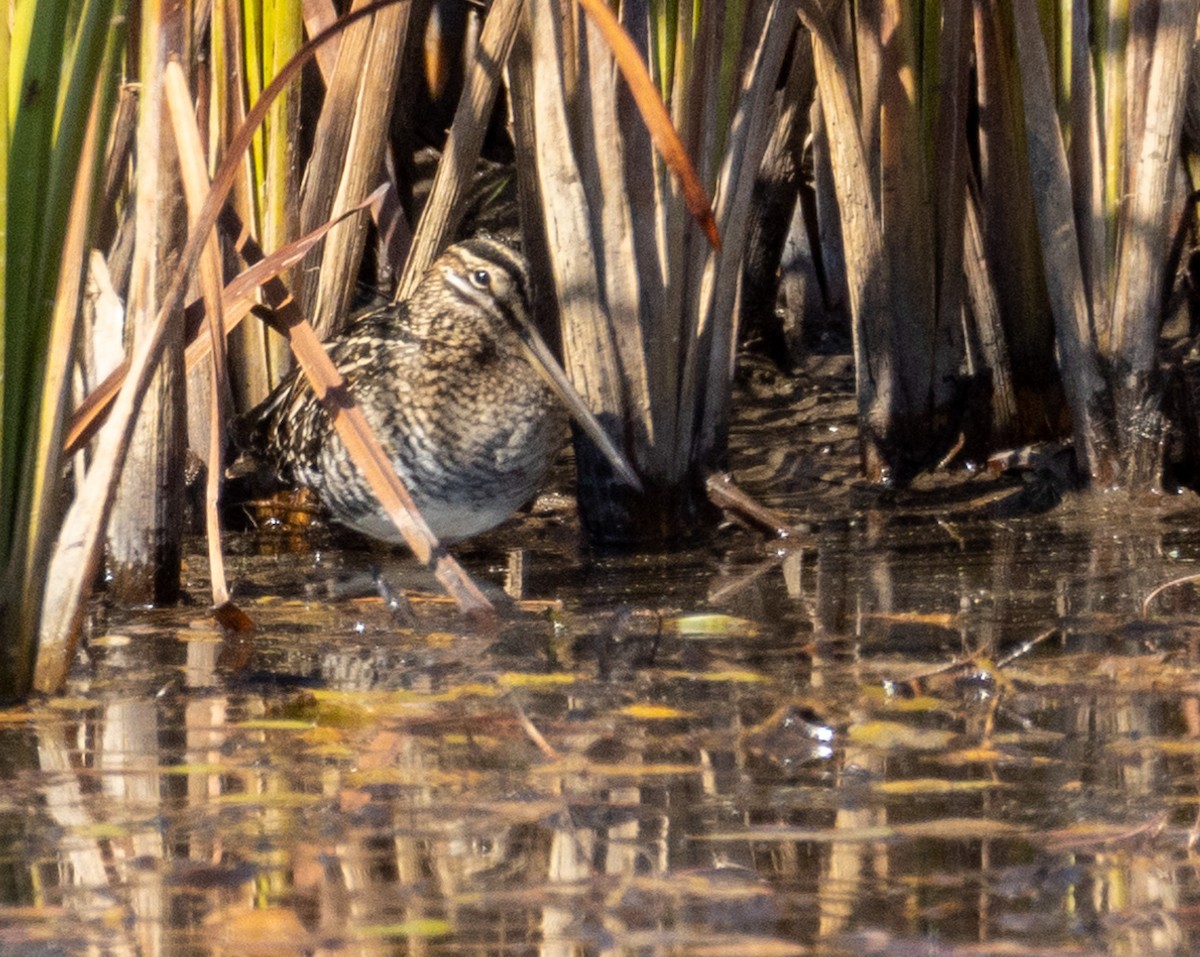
(935, 786)
(110, 641)
(958, 828)
(891, 734)
(733, 675)
(422, 927)
(936, 619)
(654, 712)
(323, 735)
(747, 947)
(72, 704)
(838, 835)
(644, 770)
(719, 626)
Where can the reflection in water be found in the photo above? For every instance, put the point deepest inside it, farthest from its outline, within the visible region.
(828, 760)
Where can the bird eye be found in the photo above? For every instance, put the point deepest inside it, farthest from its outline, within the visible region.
(481, 278)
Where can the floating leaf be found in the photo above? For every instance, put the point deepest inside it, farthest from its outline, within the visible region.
(1164, 746)
(398, 702)
(934, 619)
(654, 712)
(469, 690)
(949, 828)
(936, 786)
(958, 828)
(849, 835)
(984, 755)
(422, 927)
(418, 776)
(110, 641)
(717, 626)
(200, 768)
(733, 674)
(72, 704)
(888, 735)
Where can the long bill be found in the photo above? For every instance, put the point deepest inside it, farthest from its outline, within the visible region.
(547, 366)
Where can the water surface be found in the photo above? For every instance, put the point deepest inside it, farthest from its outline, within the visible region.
(925, 724)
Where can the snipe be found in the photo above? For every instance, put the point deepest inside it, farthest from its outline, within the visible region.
(454, 391)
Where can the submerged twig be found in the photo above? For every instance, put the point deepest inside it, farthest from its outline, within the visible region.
(1026, 646)
(535, 735)
(1186, 579)
(723, 493)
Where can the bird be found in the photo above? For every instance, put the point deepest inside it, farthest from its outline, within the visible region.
(452, 382)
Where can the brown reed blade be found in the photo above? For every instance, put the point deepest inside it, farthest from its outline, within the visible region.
(237, 300)
(654, 113)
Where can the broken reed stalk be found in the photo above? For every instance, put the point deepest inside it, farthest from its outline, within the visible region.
(1108, 343)
(876, 382)
(76, 559)
(348, 151)
(1086, 161)
(250, 40)
(654, 114)
(986, 347)
(144, 532)
(194, 174)
(589, 353)
(1060, 246)
(898, 159)
(389, 217)
(1010, 231)
(947, 167)
(1141, 263)
(708, 393)
(905, 203)
(456, 168)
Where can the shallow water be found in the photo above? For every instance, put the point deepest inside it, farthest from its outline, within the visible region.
(923, 725)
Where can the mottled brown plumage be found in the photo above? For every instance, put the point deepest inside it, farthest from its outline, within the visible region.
(446, 383)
